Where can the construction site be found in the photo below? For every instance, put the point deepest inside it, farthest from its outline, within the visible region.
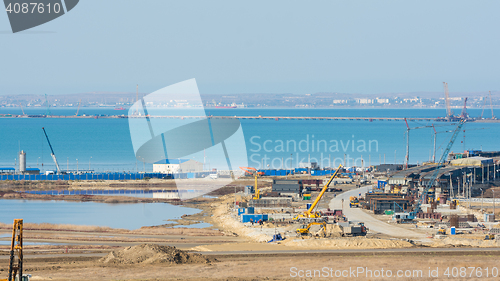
(445, 207)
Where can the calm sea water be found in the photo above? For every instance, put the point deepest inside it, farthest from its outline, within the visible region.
(126, 216)
(105, 144)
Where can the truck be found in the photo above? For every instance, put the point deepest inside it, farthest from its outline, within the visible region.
(353, 202)
(354, 230)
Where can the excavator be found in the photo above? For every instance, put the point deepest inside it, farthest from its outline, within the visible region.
(253, 171)
(16, 250)
(304, 229)
(310, 213)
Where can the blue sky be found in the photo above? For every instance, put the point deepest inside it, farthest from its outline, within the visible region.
(275, 46)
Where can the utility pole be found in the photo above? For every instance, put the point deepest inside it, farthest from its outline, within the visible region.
(492, 190)
(488, 173)
(482, 173)
(434, 153)
(451, 187)
(407, 145)
(482, 199)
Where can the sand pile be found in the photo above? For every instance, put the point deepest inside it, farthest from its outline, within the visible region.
(151, 254)
(457, 241)
(349, 243)
(333, 230)
(221, 216)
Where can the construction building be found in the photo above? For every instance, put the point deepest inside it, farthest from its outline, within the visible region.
(171, 166)
(288, 187)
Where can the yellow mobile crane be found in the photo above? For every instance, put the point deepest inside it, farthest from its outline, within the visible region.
(253, 171)
(310, 213)
(16, 249)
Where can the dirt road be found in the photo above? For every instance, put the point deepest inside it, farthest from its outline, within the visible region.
(270, 267)
(373, 224)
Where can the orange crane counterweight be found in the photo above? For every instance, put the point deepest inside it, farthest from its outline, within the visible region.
(253, 171)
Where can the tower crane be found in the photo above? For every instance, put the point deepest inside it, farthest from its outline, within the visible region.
(408, 140)
(80, 103)
(464, 114)
(449, 112)
(408, 216)
(24, 114)
(48, 106)
(491, 105)
(52, 152)
(482, 112)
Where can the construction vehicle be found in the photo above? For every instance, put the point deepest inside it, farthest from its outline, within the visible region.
(441, 231)
(16, 251)
(310, 213)
(52, 152)
(409, 216)
(253, 172)
(353, 202)
(276, 238)
(489, 237)
(304, 229)
(354, 230)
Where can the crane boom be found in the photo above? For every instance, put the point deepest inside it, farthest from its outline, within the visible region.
(491, 105)
(439, 166)
(78, 110)
(48, 106)
(22, 109)
(449, 112)
(482, 112)
(310, 212)
(52, 151)
(464, 109)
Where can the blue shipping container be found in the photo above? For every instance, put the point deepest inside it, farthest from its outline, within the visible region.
(250, 210)
(255, 218)
(381, 184)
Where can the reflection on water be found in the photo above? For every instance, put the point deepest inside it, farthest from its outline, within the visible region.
(126, 216)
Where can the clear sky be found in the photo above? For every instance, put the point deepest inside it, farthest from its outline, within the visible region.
(257, 47)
